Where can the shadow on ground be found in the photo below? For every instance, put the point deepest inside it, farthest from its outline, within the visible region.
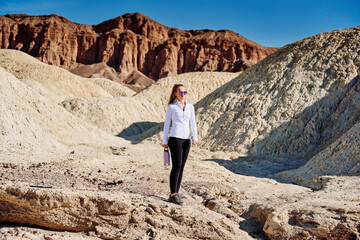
(261, 167)
(139, 131)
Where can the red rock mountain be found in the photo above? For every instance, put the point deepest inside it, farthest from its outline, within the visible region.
(132, 42)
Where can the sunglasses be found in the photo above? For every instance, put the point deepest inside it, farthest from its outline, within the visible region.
(183, 93)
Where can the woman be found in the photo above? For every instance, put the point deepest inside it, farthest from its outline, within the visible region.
(182, 115)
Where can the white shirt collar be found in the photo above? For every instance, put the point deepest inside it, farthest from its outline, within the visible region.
(178, 103)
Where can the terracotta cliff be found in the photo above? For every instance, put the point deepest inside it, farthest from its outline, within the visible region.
(127, 43)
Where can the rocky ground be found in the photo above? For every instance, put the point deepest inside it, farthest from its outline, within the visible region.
(13, 232)
(121, 192)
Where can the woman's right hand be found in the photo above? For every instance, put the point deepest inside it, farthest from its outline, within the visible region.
(165, 145)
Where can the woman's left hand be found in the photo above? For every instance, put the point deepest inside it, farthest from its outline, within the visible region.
(194, 142)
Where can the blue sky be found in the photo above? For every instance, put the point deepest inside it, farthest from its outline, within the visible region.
(270, 23)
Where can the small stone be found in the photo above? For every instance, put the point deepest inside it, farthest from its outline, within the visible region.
(176, 211)
(178, 218)
(150, 210)
(151, 221)
(210, 204)
(28, 235)
(155, 208)
(238, 209)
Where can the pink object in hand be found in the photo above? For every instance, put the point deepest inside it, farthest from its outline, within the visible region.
(166, 157)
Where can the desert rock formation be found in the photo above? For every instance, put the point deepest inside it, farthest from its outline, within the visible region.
(132, 42)
(291, 103)
(301, 103)
(292, 118)
(137, 81)
(56, 83)
(133, 115)
(340, 158)
(32, 124)
(97, 70)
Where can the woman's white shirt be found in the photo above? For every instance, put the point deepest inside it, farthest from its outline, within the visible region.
(181, 119)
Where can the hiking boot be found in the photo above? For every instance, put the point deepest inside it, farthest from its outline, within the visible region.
(176, 199)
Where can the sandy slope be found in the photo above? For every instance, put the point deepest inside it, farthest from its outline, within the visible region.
(32, 124)
(133, 115)
(280, 107)
(54, 82)
(114, 88)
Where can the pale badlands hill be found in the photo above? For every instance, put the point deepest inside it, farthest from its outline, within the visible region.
(292, 104)
(133, 115)
(63, 169)
(54, 82)
(101, 102)
(33, 124)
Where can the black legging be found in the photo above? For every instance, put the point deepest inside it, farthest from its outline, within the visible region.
(179, 149)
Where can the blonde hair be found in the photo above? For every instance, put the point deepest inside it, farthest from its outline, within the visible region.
(172, 96)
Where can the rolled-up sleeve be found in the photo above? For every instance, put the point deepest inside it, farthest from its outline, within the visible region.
(193, 125)
(167, 125)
